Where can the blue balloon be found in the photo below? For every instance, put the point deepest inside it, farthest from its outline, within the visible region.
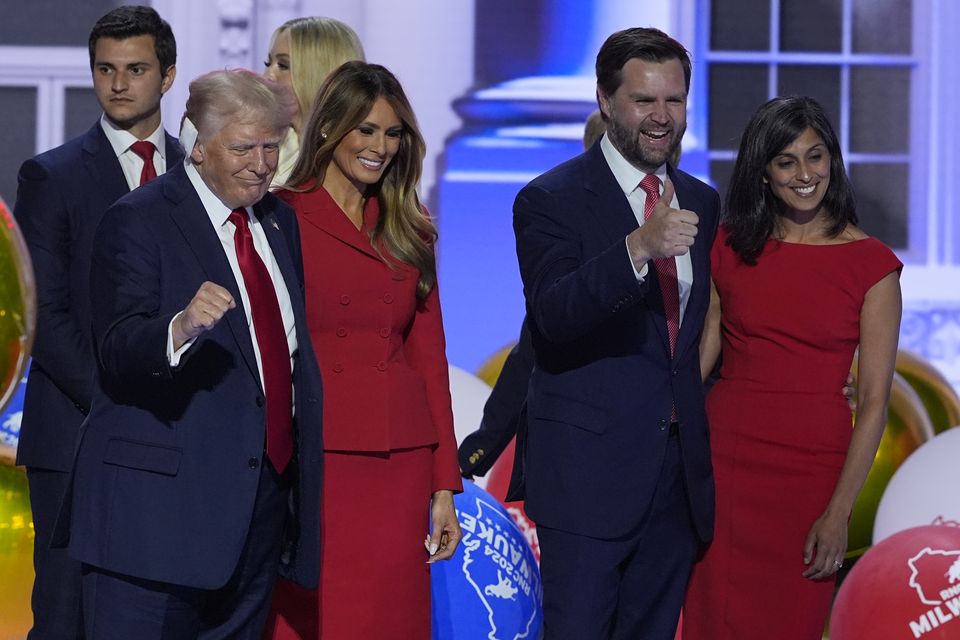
(490, 589)
(10, 419)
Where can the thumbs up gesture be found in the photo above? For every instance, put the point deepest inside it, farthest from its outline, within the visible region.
(667, 233)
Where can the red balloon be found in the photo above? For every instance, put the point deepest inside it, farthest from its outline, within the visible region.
(907, 586)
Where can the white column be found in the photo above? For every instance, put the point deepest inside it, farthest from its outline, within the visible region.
(197, 26)
(944, 131)
(610, 16)
(429, 46)
(268, 15)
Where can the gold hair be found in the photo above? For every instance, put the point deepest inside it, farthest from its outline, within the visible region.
(318, 45)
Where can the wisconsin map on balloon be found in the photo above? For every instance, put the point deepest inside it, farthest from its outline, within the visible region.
(499, 565)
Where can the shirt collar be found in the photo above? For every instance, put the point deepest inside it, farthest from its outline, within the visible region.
(121, 139)
(216, 210)
(627, 175)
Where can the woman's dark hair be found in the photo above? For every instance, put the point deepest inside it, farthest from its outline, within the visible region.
(751, 207)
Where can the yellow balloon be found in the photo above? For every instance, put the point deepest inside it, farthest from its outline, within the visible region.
(16, 554)
(18, 310)
(908, 426)
(936, 393)
(490, 370)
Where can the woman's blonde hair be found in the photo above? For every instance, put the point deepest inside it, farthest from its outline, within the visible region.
(403, 231)
(318, 45)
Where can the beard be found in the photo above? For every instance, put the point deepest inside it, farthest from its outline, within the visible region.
(632, 145)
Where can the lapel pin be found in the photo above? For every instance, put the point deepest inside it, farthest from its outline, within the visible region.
(275, 225)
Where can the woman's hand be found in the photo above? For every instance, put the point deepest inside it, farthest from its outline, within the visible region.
(446, 528)
(826, 545)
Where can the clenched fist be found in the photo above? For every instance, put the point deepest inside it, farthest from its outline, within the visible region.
(667, 233)
(208, 306)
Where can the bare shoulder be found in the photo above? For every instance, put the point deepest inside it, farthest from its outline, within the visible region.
(852, 232)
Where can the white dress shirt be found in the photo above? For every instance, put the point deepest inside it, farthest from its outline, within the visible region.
(130, 162)
(629, 178)
(219, 215)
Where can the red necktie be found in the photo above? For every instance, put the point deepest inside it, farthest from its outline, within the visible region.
(145, 149)
(666, 267)
(271, 340)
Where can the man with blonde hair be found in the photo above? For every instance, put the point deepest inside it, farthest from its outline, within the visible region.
(205, 434)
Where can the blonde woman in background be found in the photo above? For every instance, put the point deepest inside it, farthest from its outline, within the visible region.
(303, 52)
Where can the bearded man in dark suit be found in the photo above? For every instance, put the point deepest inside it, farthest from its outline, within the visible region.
(614, 251)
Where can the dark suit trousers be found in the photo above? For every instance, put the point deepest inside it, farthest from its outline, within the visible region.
(120, 607)
(56, 587)
(628, 588)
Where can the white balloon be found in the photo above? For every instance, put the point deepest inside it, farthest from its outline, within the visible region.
(923, 490)
(469, 394)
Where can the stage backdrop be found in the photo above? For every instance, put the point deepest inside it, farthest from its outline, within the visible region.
(501, 89)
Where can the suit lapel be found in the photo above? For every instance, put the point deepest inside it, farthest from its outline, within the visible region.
(614, 214)
(194, 224)
(607, 204)
(102, 164)
(265, 212)
(319, 209)
(174, 151)
(699, 254)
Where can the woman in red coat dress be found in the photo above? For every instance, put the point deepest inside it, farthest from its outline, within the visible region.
(390, 465)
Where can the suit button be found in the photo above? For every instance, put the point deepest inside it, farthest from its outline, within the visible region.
(675, 372)
(337, 367)
(253, 463)
(259, 401)
(388, 298)
(344, 300)
(381, 366)
(384, 332)
(662, 424)
(341, 332)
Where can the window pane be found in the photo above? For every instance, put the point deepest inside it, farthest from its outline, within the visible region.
(51, 22)
(720, 172)
(822, 83)
(736, 90)
(880, 98)
(740, 25)
(18, 113)
(810, 25)
(882, 26)
(882, 200)
(82, 111)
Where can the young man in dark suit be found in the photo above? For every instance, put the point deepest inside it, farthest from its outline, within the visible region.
(61, 198)
(614, 255)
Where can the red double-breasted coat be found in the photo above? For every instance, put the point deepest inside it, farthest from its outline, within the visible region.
(388, 431)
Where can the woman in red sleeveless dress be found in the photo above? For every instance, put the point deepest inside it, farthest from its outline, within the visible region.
(797, 288)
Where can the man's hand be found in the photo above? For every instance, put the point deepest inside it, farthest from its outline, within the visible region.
(207, 308)
(667, 233)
